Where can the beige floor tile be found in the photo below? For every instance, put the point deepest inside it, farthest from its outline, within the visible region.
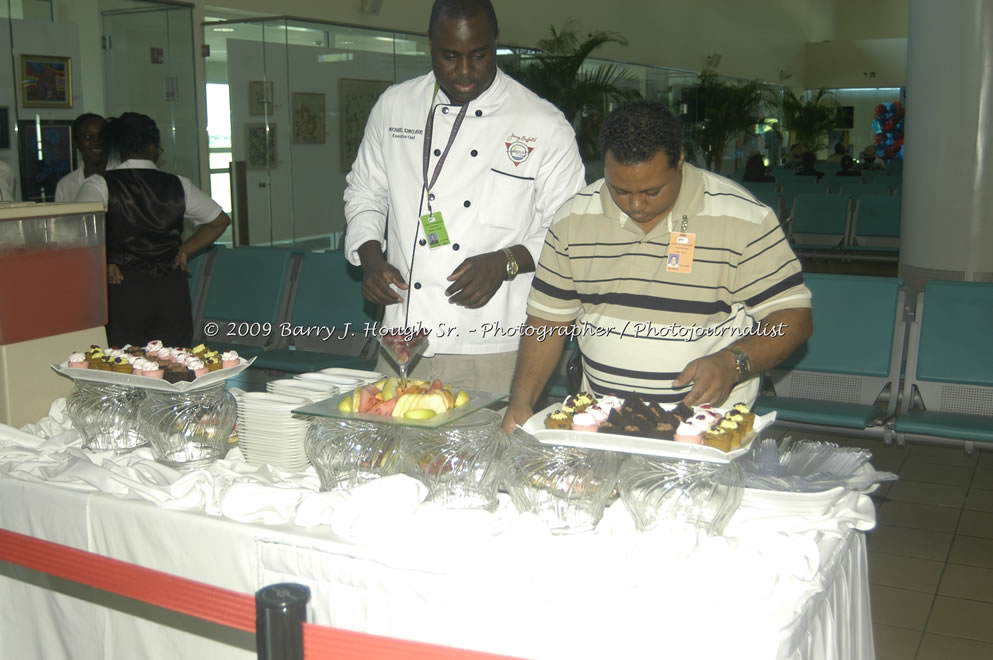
(941, 647)
(986, 459)
(983, 478)
(899, 607)
(958, 617)
(969, 582)
(905, 572)
(920, 516)
(979, 500)
(910, 542)
(894, 643)
(914, 469)
(976, 523)
(925, 493)
(950, 455)
(971, 552)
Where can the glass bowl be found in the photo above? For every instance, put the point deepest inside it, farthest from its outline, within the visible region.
(700, 494)
(567, 487)
(106, 416)
(348, 452)
(458, 462)
(188, 429)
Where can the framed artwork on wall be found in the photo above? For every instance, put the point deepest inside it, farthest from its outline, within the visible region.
(46, 82)
(355, 101)
(4, 128)
(260, 94)
(260, 146)
(308, 118)
(42, 168)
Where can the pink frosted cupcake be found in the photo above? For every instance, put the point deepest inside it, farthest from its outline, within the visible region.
(600, 413)
(153, 370)
(688, 433)
(197, 366)
(78, 361)
(584, 421)
(610, 401)
(229, 359)
(153, 347)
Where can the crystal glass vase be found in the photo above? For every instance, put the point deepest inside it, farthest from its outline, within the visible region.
(348, 453)
(188, 429)
(106, 416)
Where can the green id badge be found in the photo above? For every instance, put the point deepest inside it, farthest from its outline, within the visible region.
(434, 230)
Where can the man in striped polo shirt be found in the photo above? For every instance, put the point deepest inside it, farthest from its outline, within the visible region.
(677, 283)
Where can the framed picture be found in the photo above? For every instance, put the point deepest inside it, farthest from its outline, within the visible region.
(42, 169)
(355, 101)
(4, 128)
(46, 82)
(308, 118)
(260, 146)
(260, 94)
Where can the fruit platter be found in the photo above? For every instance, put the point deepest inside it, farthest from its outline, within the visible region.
(412, 403)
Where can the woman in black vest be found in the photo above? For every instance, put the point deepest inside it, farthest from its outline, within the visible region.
(148, 296)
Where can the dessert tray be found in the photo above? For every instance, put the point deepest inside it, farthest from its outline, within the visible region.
(535, 426)
(329, 408)
(149, 383)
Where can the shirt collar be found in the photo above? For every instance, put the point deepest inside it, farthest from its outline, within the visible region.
(490, 99)
(688, 203)
(135, 164)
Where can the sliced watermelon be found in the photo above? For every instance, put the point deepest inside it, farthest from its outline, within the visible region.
(367, 398)
(436, 385)
(384, 408)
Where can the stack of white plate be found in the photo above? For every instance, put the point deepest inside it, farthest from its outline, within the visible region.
(269, 433)
(344, 382)
(308, 389)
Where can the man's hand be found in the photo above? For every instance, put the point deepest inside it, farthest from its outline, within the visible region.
(181, 262)
(476, 280)
(114, 275)
(376, 281)
(517, 413)
(712, 376)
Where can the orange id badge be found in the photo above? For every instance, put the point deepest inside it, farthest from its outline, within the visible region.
(680, 258)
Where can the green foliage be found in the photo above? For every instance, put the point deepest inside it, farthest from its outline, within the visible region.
(810, 120)
(728, 109)
(585, 95)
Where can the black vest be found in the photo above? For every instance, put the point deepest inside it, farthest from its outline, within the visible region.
(145, 211)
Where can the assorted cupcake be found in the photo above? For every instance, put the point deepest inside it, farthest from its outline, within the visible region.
(154, 360)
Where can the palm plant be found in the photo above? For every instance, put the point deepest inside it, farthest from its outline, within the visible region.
(727, 110)
(810, 120)
(556, 72)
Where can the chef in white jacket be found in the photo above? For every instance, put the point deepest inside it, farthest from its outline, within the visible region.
(460, 171)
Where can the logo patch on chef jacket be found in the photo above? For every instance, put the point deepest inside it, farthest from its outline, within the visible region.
(518, 148)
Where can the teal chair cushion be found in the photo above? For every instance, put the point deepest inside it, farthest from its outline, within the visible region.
(946, 425)
(247, 283)
(821, 413)
(955, 333)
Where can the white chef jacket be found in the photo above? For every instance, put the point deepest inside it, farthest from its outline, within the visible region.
(513, 163)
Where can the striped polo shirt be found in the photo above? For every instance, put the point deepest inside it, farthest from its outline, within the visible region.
(639, 325)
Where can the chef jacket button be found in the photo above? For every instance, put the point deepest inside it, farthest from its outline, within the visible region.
(473, 153)
(467, 203)
(455, 246)
(479, 113)
(444, 110)
(431, 197)
(423, 242)
(417, 285)
(437, 152)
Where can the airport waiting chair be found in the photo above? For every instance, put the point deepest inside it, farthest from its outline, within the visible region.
(876, 223)
(948, 387)
(819, 221)
(247, 297)
(198, 265)
(846, 377)
(799, 185)
(857, 190)
(327, 321)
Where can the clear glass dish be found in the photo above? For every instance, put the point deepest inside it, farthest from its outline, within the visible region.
(106, 416)
(699, 494)
(460, 462)
(567, 487)
(188, 429)
(348, 453)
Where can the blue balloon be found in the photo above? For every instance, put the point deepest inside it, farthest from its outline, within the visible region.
(877, 126)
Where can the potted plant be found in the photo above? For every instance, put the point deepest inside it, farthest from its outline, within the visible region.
(810, 120)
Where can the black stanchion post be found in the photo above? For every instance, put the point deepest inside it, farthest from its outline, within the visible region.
(280, 612)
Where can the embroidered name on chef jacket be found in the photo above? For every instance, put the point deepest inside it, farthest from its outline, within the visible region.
(399, 132)
(519, 148)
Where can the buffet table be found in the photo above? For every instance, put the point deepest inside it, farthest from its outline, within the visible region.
(783, 581)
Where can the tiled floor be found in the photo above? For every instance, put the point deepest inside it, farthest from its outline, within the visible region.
(931, 554)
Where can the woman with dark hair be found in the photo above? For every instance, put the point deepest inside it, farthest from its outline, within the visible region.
(88, 136)
(147, 294)
(755, 171)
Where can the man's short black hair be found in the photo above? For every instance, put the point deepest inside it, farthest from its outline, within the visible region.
(462, 9)
(635, 131)
(77, 123)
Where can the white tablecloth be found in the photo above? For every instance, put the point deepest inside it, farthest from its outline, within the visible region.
(776, 585)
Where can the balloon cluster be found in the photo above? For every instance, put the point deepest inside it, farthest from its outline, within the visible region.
(887, 124)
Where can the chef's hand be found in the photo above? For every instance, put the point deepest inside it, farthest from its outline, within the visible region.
(376, 281)
(114, 274)
(712, 376)
(476, 279)
(517, 413)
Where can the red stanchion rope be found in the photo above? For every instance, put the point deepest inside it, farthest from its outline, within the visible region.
(227, 608)
(320, 643)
